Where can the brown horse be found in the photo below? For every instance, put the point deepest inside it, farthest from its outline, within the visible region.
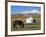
(18, 22)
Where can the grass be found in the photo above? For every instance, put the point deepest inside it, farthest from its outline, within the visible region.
(34, 26)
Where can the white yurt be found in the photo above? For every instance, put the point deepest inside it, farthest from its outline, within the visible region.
(29, 20)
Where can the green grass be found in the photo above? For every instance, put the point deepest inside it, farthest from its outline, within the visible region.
(34, 26)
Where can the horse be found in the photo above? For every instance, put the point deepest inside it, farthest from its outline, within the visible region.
(18, 22)
(34, 21)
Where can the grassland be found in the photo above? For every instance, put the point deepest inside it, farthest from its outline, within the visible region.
(34, 26)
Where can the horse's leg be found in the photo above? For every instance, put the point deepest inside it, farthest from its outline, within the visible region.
(13, 25)
(23, 25)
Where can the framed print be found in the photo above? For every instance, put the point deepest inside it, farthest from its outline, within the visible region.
(25, 18)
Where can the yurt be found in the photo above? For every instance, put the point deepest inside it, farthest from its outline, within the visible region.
(29, 20)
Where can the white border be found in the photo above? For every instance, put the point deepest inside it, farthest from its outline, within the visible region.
(29, 31)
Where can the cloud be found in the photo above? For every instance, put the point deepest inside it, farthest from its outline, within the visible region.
(26, 12)
(32, 11)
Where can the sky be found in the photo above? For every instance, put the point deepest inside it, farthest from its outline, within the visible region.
(20, 9)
